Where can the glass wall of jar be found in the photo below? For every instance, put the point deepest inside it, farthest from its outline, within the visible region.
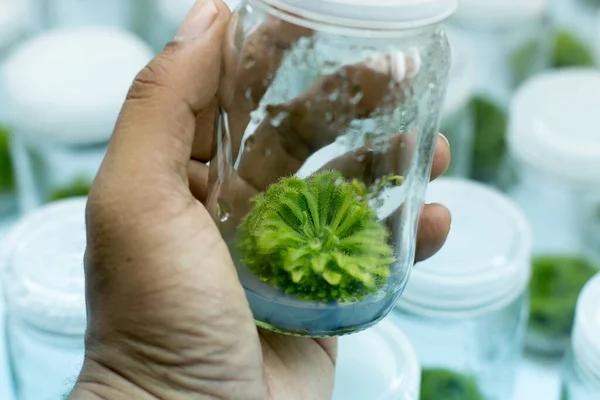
(15, 24)
(510, 42)
(575, 30)
(327, 131)
(41, 262)
(125, 14)
(458, 122)
(465, 309)
(66, 89)
(556, 149)
(377, 364)
(581, 372)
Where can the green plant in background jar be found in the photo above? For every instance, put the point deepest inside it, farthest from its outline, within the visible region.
(7, 179)
(443, 384)
(78, 187)
(554, 289)
(525, 59)
(570, 51)
(318, 238)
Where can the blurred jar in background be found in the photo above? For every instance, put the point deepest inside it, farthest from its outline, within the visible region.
(125, 14)
(555, 147)
(14, 27)
(66, 89)
(581, 370)
(457, 114)
(377, 364)
(510, 42)
(575, 31)
(42, 275)
(465, 309)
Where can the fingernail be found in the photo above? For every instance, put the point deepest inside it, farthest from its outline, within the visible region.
(445, 139)
(199, 20)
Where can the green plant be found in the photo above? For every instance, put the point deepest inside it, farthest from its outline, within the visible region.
(7, 179)
(570, 51)
(318, 238)
(555, 285)
(489, 142)
(78, 187)
(524, 60)
(443, 384)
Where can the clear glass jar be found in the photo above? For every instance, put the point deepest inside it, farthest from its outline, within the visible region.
(556, 152)
(377, 364)
(62, 120)
(581, 372)
(42, 275)
(326, 138)
(575, 24)
(465, 309)
(458, 123)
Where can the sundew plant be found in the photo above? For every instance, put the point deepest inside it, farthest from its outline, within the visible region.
(318, 238)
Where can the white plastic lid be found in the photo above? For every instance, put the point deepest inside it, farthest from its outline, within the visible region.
(14, 20)
(376, 14)
(554, 120)
(586, 331)
(499, 13)
(69, 85)
(377, 364)
(41, 261)
(485, 262)
(173, 12)
(461, 84)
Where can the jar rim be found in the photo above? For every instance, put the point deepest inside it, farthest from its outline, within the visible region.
(492, 14)
(376, 15)
(586, 337)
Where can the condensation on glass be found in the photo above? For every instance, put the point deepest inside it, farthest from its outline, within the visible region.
(581, 367)
(61, 131)
(329, 117)
(556, 151)
(43, 284)
(465, 309)
(14, 27)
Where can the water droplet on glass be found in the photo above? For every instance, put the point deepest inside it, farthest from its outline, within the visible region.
(223, 210)
(249, 144)
(249, 63)
(360, 158)
(334, 96)
(329, 117)
(431, 85)
(356, 98)
(249, 94)
(278, 119)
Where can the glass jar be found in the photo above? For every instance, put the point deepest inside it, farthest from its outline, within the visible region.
(377, 364)
(465, 309)
(556, 151)
(14, 26)
(62, 119)
(458, 124)
(325, 145)
(575, 24)
(42, 274)
(581, 372)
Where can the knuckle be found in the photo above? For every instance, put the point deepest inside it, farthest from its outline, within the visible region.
(153, 79)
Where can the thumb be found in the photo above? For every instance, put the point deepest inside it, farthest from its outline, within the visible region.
(155, 131)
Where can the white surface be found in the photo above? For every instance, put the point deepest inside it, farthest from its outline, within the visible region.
(486, 259)
(377, 364)
(496, 13)
(378, 14)
(14, 20)
(69, 85)
(586, 333)
(553, 125)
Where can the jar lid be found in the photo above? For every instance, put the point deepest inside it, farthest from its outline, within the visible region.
(486, 14)
(41, 260)
(586, 337)
(374, 14)
(377, 364)
(554, 122)
(461, 84)
(485, 262)
(14, 20)
(69, 85)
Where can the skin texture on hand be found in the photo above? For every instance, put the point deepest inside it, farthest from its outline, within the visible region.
(167, 315)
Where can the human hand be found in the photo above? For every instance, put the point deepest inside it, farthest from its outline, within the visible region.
(168, 317)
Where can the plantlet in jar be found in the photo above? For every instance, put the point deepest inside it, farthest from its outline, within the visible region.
(555, 286)
(438, 384)
(570, 51)
(7, 180)
(78, 187)
(318, 238)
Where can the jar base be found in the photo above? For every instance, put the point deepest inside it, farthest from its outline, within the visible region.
(316, 334)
